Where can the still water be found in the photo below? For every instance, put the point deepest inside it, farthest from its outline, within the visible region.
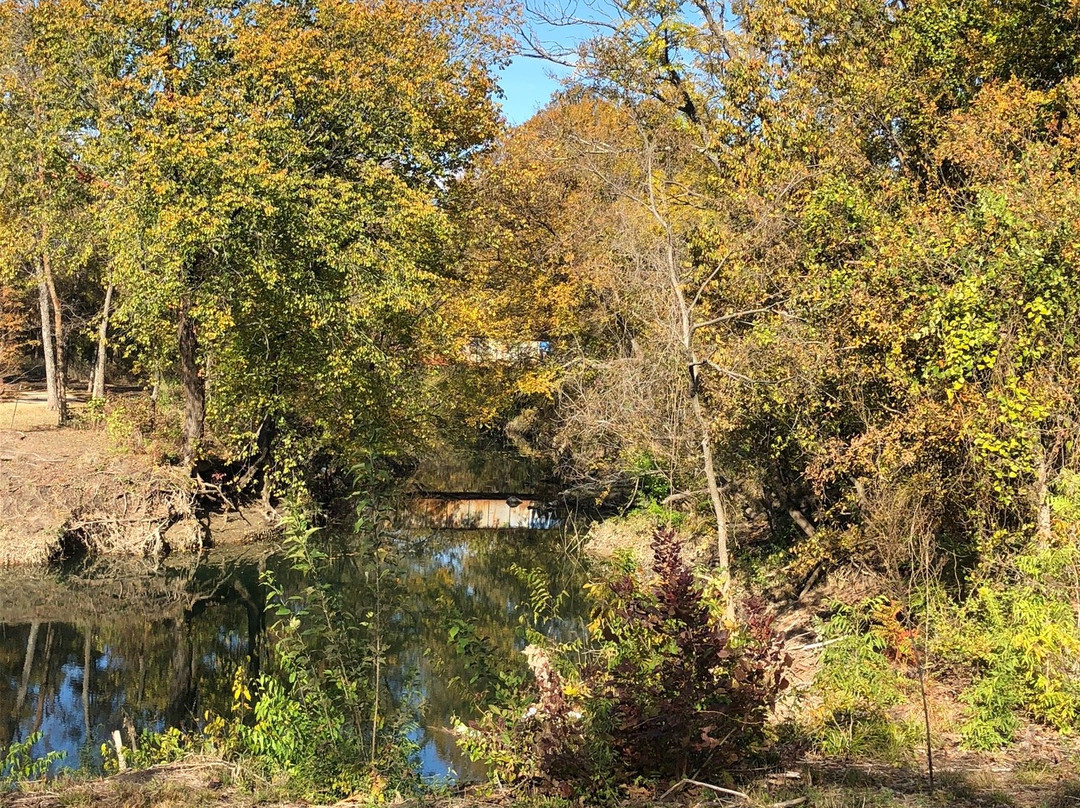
(107, 645)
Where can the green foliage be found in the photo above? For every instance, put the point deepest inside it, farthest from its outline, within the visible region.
(139, 424)
(1065, 500)
(542, 603)
(1018, 633)
(489, 680)
(322, 719)
(653, 486)
(155, 748)
(859, 682)
(18, 763)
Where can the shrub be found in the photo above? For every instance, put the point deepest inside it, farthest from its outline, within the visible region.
(686, 691)
(139, 424)
(1019, 631)
(664, 688)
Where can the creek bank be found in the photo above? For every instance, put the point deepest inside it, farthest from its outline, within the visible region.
(68, 492)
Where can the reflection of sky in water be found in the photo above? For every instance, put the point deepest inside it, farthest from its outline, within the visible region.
(62, 717)
(162, 669)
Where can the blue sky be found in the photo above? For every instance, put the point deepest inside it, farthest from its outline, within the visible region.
(527, 85)
(558, 27)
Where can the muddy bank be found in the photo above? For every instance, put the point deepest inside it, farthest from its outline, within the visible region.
(69, 492)
(66, 492)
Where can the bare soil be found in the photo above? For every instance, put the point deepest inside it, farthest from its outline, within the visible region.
(69, 491)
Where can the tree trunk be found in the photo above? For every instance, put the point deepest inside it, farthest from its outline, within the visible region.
(60, 372)
(193, 384)
(47, 344)
(97, 379)
(713, 487)
(712, 484)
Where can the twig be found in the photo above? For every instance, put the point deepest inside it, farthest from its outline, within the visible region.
(687, 781)
(33, 457)
(823, 644)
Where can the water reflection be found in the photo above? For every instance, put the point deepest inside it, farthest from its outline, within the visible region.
(86, 651)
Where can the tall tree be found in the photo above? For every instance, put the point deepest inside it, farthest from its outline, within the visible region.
(46, 112)
(277, 202)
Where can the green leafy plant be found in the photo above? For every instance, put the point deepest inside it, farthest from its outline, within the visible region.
(18, 764)
(859, 681)
(153, 748)
(318, 721)
(321, 718)
(1019, 630)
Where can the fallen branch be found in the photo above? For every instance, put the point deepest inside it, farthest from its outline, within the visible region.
(688, 782)
(35, 458)
(82, 524)
(682, 497)
(823, 644)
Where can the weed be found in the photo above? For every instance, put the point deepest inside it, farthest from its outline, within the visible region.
(18, 764)
(663, 688)
(859, 682)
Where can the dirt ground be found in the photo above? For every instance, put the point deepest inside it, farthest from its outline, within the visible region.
(989, 782)
(65, 486)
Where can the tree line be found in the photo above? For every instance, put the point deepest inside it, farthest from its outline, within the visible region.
(814, 268)
(817, 258)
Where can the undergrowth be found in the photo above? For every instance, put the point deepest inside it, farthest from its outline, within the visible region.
(661, 688)
(19, 764)
(319, 723)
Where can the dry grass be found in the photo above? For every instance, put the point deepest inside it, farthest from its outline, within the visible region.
(202, 782)
(176, 785)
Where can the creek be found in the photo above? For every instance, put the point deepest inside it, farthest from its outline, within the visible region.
(110, 645)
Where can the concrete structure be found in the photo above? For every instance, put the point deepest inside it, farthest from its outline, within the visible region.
(471, 512)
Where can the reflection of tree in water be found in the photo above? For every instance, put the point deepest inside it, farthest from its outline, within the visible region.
(111, 641)
(481, 463)
(467, 576)
(85, 649)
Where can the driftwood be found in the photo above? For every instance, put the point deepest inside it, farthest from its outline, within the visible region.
(729, 792)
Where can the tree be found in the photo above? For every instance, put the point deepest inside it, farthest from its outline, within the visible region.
(46, 110)
(276, 202)
(840, 258)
